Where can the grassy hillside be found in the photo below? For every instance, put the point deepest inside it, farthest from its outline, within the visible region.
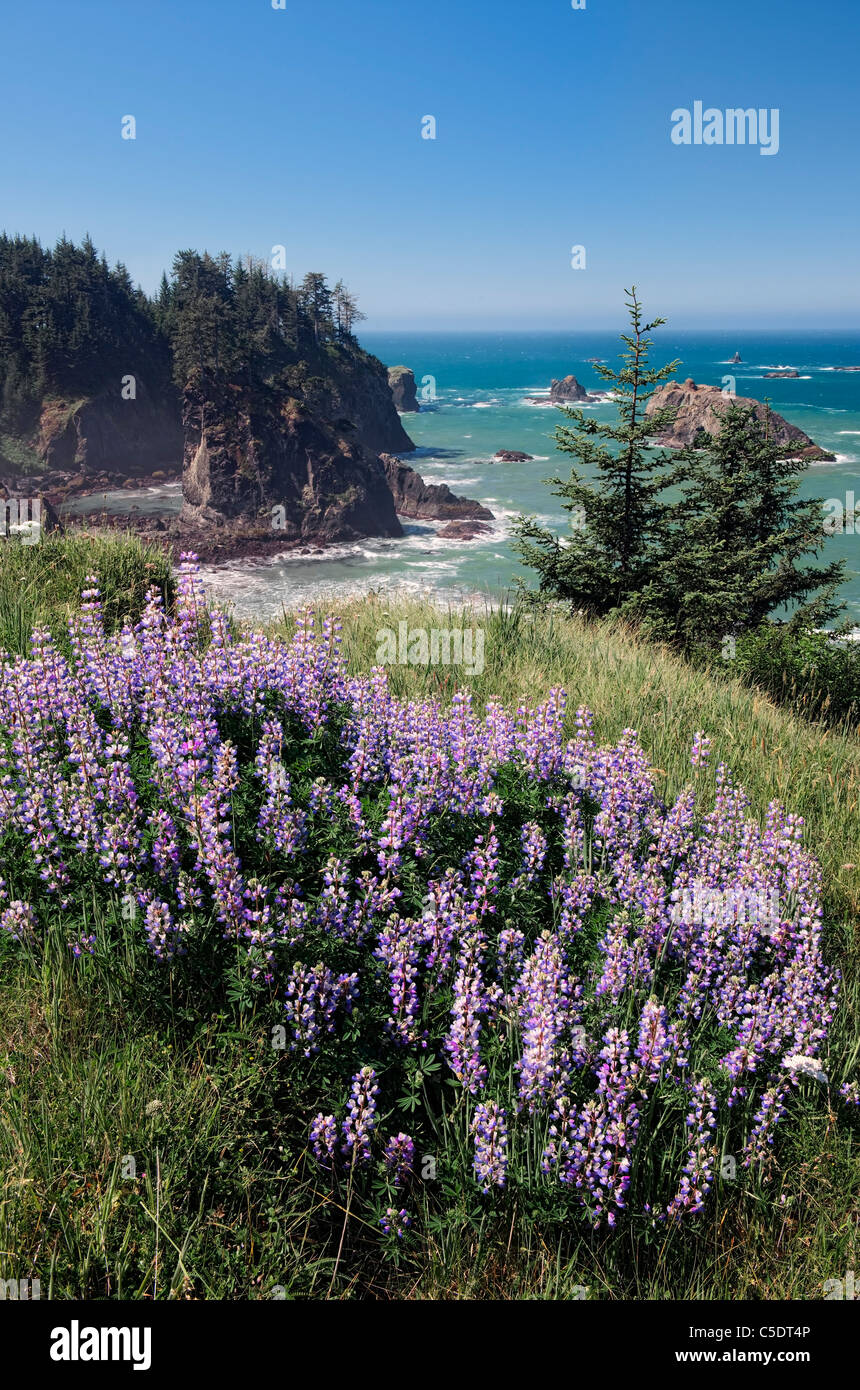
(222, 1202)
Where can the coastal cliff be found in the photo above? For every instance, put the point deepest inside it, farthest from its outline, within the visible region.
(258, 464)
(401, 381)
(107, 435)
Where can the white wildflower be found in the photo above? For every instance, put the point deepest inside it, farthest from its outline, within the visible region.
(805, 1066)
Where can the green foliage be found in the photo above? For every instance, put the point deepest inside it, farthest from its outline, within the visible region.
(70, 325)
(705, 546)
(40, 585)
(616, 519)
(815, 674)
(730, 557)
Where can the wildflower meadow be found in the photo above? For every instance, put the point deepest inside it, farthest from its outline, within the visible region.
(485, 955)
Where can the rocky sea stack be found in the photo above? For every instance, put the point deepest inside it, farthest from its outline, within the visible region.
(401, 381)
(699, 409)
(568, 389)
(422, 501)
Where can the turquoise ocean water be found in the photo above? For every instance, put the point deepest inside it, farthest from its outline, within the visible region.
(481, 383)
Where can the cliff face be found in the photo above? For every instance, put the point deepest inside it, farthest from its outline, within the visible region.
(356, 398)
(106, 434)
(700, 408)
(428, 502)
(401, 381)
(258, 463)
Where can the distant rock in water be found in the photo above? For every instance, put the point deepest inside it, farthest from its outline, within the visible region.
(564, 391)
(513, 456)
(257, 463)
(736, 360)
(402, 383)
(845, 369)
(464, 530)
(428, 501)
(700, 408)
(568, 389)
(770, 376)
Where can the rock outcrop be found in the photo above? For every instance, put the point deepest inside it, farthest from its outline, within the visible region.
(699, 409)
(568, 389)
(355, 397)
(106, 434)
(736, 360)
(401, 381)
(771, 376)
(257, 463)
(565, 391)
(513, 456)
(464, 530)
(421, 501)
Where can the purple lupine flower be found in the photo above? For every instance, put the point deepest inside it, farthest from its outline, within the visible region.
(489, 1126)
(701, 749)
(463, 1044)
(162, 933)
(323, 1137)
(698, 1173)
(361, 1117)
(398, 948)
(18, 919)
(400, 1157)
(395, 1222)
(534, 846)
(314, 994)
(543, 997)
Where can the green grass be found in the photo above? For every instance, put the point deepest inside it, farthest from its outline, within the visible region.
(22, 458)
(223, 1204)
(40, 584)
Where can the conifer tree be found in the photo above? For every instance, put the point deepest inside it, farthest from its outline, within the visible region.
(615, 495)
(729, 559)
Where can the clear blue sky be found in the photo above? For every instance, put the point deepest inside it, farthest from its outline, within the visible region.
(301, 126)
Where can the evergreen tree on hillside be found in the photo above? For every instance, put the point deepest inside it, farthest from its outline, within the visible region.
(317, 305)
(730, 558)
(346, 311)
(615, 519)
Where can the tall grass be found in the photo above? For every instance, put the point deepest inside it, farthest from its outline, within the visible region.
(40, 584)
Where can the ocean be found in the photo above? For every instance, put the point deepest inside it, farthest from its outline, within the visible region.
(480, 383)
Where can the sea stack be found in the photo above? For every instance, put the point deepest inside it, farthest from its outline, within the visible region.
(428, 501)
(700, 408)
(402, 383)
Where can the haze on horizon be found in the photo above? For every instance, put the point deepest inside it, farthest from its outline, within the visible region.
(302, 127)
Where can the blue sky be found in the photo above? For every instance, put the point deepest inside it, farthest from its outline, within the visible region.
(302, 127)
